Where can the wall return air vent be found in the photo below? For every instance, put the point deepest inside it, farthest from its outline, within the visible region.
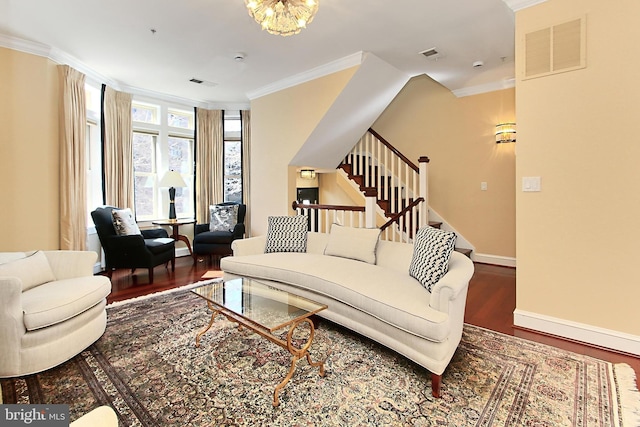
(555, 49)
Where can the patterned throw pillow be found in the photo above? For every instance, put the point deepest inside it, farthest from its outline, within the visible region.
(432, 249)
(287, 234)
(124, 222)
(223, 218)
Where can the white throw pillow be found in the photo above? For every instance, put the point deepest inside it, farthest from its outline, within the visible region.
(33, 270)
(287, 234)
(124, 222)
(354, 243)
(432, 249)
(223, 218)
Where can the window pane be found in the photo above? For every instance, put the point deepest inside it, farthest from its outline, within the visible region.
(143, 152)
(144, 188)
(183, 199)
(181, 119)
(145, 113)
(232, 125)
(233, 158)
(180, 155)
(233, 190)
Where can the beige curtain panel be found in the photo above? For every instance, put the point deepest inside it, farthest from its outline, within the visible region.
(209, 162)
(73, 185)
(245, 117)
(118, 149)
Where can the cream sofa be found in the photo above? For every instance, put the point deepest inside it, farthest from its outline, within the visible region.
(380, 301)
(102, 416)
(51, 308)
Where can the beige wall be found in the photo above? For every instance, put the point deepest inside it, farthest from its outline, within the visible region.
(458, 136)
(29, 211)
(577, 238)
(280, 124)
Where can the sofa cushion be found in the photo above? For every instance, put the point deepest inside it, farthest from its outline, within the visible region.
(214, 237)
(159, 245)
(393, 297)
(432, 249)
(124, 222)
(32, 270)
(286, 234)
(223, 217)
(58, 301)
(354, 243)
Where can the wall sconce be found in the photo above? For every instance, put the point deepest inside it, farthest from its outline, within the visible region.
(505, 132)
(307, 174)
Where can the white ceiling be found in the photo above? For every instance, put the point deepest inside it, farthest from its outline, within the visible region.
(200, 38)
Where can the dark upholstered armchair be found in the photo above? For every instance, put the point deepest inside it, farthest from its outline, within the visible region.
(145, 250)
(215, 244)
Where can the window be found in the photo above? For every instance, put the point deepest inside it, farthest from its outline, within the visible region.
(232, 157)
(93, 151)
(162, 141)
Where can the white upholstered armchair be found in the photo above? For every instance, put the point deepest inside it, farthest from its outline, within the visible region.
(51, 308)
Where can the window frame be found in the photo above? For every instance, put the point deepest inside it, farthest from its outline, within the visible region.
(163, 132)
(234, 137)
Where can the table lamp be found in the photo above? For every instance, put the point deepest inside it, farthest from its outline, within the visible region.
(172, 179)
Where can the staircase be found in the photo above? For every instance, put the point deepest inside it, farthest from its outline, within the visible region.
(377, 167)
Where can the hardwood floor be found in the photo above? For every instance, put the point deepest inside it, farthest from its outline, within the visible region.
(490, 302)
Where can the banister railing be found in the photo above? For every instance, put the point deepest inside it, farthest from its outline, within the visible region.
(375, 163)
(320, 217)
(394, 149)
(403, 225)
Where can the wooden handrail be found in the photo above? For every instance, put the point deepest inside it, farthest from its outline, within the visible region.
(394, 150)
(295, 205)
(400, 214)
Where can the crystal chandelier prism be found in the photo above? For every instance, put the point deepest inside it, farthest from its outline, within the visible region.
(283, 17)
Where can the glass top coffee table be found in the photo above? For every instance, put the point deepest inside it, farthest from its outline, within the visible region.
(264, 310)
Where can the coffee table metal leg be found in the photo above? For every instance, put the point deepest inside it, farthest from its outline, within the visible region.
(297, 354)
(214, 313)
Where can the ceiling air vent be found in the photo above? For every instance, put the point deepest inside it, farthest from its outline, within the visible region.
(431, 54)
(555, 49)
(202, 82)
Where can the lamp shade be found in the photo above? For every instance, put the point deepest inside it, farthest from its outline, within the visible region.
(172, 179)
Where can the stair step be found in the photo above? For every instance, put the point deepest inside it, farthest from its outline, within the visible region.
(435, 224)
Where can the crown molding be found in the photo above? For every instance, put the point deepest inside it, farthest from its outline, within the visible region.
(55, 55)
(484, 88)
(321, 71)
(92, 76)
(517, 5)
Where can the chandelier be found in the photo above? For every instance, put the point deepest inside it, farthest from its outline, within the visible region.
(283, 17)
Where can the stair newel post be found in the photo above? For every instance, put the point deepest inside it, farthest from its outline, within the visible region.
(370, 194)
(424, 190)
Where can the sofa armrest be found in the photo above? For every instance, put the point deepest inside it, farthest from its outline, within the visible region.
(11, 325)
(453, 284)
(71, 264)
(250, 246)
(238, 231)
(154, 233)
(200, 228)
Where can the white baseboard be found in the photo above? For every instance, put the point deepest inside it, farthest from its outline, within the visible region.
(494, 259)
(578, 331)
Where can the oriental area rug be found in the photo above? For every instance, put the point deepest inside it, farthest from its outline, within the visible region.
(148, 369)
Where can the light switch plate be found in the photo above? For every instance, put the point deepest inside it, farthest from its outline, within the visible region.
(531, 183)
